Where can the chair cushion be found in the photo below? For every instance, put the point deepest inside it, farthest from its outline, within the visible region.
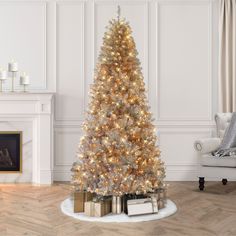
(226, 161)
(222, 122)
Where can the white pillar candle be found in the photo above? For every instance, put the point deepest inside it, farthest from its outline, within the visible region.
(13, 66)
(24, 80)
(3, 74)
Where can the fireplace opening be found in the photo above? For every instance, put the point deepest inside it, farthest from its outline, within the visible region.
(10, 151)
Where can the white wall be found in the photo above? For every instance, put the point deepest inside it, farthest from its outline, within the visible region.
(57, 42)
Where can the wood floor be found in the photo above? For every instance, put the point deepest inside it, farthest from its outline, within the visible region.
(32, 210)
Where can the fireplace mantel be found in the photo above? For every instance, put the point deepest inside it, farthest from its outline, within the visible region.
(38, 109)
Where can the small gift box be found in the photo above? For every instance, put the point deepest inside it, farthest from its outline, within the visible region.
(163, 194)
(161, 204)
(102, 208)
(154, 205)
(80, 197)
(159, 194)
(98, 209)
(89, 208)
(117, 204)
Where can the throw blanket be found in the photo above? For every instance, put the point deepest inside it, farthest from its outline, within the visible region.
(228, 145)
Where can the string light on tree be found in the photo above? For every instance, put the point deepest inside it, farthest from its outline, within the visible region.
(118, 153)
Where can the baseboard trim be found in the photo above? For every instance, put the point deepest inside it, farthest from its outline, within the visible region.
(181, 175)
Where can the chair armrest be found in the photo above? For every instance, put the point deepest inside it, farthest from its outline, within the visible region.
(207, 145)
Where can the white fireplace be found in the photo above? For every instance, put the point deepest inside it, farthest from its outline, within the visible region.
(31, 113)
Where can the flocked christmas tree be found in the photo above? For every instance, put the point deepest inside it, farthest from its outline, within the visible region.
(118, 153)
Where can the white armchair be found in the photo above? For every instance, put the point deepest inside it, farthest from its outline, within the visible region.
(215, 167)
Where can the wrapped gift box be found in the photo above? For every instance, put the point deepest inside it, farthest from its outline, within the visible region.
(80, 198)
(117, 204)
(102, 208)
(159, 194)
(142, 206)
(154, 205)
(127, 197)
(89, 208)
(97, 209)
(161, 204)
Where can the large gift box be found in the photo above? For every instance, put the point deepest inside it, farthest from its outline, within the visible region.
(98, 209)
(142, 206)
(130, 197)
(80, 197)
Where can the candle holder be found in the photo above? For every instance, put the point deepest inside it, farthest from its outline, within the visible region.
(13, 76)
(24, 88)
(1, 81)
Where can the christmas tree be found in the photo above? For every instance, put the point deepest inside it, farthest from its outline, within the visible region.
(118, 153)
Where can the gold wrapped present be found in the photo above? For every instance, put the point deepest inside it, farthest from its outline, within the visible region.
(89, 208)
(159, 194)
(161, 204)
(163, 194)
(80, 198)
(102, 208)
(117, 204)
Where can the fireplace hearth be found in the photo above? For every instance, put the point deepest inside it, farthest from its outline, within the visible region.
(10, 151)
(31, 113)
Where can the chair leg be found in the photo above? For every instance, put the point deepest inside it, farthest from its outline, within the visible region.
(224, 181)
(201, 183)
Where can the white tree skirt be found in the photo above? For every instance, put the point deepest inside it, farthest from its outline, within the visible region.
(68, 209)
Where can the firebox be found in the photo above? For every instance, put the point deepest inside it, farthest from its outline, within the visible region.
(10, 151)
